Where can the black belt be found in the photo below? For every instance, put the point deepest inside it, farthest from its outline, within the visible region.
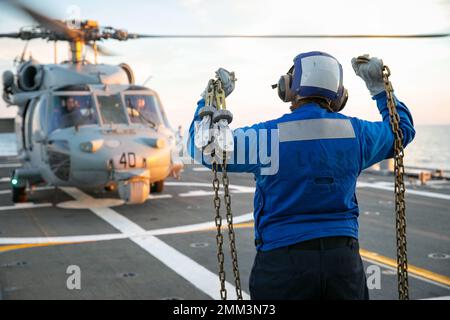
(325, 243)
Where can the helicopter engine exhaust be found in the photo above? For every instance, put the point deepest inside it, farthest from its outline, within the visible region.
(30, 77)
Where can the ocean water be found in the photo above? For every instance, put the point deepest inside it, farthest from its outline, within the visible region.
(430, 149)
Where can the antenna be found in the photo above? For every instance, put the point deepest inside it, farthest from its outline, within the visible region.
(147, 80)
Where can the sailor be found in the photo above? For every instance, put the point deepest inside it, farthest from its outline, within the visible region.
(65, 114)
(71, 112)
(140, 110)
(306, 213)
(135, 108)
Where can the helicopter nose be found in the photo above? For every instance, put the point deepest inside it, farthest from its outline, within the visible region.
(97, 162)
(136, 167)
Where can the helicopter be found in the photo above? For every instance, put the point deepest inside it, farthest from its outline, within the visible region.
(87, 124)
(84, 124)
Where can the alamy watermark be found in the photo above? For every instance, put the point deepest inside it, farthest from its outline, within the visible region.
(373, 281)
(252, 147)
(73, 281)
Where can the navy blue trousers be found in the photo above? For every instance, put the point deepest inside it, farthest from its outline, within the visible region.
(292, 273)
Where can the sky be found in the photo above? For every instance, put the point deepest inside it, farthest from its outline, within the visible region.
(179, 69)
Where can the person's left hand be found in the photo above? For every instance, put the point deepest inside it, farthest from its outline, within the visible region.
(228, 80)
(370, 70)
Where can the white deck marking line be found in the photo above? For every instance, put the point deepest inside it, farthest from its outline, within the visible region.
(434, 182)
(197, 193)
(10, 165)
(159, 196)
(199, 226)
(187, 268)
(152, 196)
(245, 189)
(67, 239)
(201, 169)
(438, 298)
(21, 206)
(117, 236)
(35, 189)
(233, 187)
(383, 186)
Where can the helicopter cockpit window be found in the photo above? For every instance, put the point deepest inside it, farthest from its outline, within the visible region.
(143, 109)
(72, 110)
(111, 109)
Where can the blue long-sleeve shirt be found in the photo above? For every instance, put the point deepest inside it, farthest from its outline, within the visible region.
(306, 164)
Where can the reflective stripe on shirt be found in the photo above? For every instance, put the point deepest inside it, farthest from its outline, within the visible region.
(314, 129)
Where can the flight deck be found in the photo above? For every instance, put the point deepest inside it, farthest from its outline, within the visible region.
(166, 247)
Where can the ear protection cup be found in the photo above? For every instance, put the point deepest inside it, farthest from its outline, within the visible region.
(284, 87)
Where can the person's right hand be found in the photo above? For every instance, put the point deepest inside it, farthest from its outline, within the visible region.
(370, 70)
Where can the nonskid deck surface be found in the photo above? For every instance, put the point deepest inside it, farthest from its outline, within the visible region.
(166, 248)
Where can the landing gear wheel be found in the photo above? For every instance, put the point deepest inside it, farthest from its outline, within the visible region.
(19, 195)
(157, 187)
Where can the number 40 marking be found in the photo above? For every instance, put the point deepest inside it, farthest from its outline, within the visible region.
(128, 160)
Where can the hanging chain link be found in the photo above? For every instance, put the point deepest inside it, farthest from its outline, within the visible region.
(217, 94)
(399, 190)
(231, 234)
(219, 235)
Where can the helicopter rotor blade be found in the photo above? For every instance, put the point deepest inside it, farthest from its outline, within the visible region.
(23, 35)
(45, 21)
(102, 50)
(60, 29)
(10, 35)
(105, 51)
(287, 36)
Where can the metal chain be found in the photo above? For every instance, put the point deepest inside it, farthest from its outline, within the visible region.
(209, 102)
(399, 190)
(231, 234)
(219, 235)
(217, 94)
(220, 95)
